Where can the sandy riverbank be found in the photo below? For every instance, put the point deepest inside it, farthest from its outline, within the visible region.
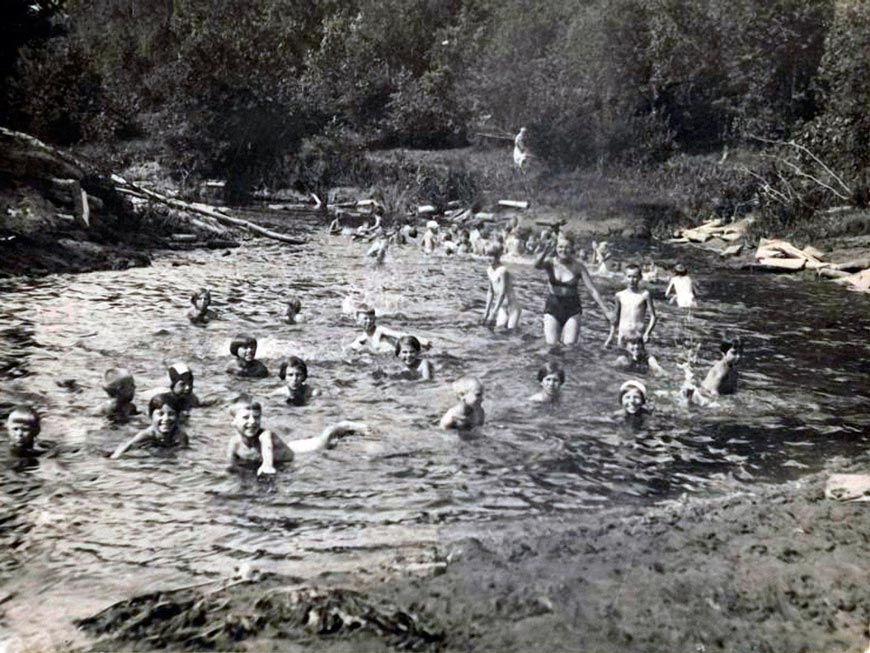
(776, 568)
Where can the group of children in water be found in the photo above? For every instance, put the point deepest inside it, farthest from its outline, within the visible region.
(631, 324)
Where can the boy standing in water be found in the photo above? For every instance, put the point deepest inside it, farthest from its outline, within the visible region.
(501, 301)
(632, 307)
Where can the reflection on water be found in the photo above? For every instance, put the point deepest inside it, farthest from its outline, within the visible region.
(83, 530)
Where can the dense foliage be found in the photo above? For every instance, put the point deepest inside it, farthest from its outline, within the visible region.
(266, 90)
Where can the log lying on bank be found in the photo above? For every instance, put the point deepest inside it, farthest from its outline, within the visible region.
(203, 209)
(782, 255)
(715, 229)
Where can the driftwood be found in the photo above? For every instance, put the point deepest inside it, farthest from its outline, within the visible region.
(203, 209)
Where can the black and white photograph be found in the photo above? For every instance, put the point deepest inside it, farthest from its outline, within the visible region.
(479, 326)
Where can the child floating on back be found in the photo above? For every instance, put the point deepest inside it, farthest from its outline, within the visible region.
(681, 288)
(164, 410)
(200, 313)
(408, 351)
(253, 445)
(551, 377)
(244, 348)
(119, 385)
(468, 412)
(294, 372)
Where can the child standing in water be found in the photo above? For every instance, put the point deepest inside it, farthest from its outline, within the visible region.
(164, 410)
(633, 308)
(551, 377)
(294, 372)
(722, 377)
(23, 425)
(682, 287)
(502, 308)
(468, 413)
(253, 445)
(119, 385)
(244, 348)
(291, 312)
(200, 313)
(408, 351)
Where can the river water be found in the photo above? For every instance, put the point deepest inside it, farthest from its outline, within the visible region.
(79, 531)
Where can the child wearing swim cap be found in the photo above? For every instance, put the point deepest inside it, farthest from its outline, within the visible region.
(120, 386)
(408, 351)
(164, 411)
(468, 413)
(244, 348)
(200, 313)
(23, 425)
(551, 377)
(181, 386)
(253, 445)
(632, 396)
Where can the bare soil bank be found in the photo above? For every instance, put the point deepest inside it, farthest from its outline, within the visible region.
(776, 569)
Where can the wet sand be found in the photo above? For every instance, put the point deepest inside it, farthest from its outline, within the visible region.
(779, 568)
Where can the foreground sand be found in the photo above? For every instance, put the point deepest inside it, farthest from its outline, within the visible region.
(778, 568)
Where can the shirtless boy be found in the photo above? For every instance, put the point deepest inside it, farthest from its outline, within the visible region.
(501, 302)
(634, 307)
(376, 338)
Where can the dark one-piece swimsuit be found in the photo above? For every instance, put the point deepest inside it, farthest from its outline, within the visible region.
(563, 308)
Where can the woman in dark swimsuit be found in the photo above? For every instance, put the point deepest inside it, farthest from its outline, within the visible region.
(562, 310)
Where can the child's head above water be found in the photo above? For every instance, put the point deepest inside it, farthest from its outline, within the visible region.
(23, 425)
(408, 349)
(732, 349)
(680, 270)
(632, 396)
(180, 379)
(164, 409)
(247, 414)
(201, 298)
(294, 371)
(365, 316)
(494, 251)
(469, 389)
(118, 384)
(244, 347)
(294, 305)
(634, 345)
(551, 376)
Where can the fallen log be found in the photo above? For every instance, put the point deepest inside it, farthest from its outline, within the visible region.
(514, 204)
(204, 209)
(855, 265)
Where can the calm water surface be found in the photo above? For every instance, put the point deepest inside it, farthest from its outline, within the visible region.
(80, 531)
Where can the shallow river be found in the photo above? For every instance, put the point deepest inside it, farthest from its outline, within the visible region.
(80, 531)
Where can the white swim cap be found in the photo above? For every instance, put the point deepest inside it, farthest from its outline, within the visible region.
(431, 224)
(635, 384)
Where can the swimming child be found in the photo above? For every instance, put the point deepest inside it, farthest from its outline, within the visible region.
(632, 396)
(722, 377)
(468, 413)
(23, 425)
(502, 308)
(252, 444)
(120, 386)
(244, 348)
(683, 288)
(633, 308)
(291, 313)
(376, 338)
(181, 386)
(200, 313)
(551, 377)
(408, 350)
(636, 358)
(164, 410)
(294, 372)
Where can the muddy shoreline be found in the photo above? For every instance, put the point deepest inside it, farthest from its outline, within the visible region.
(776, 568)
